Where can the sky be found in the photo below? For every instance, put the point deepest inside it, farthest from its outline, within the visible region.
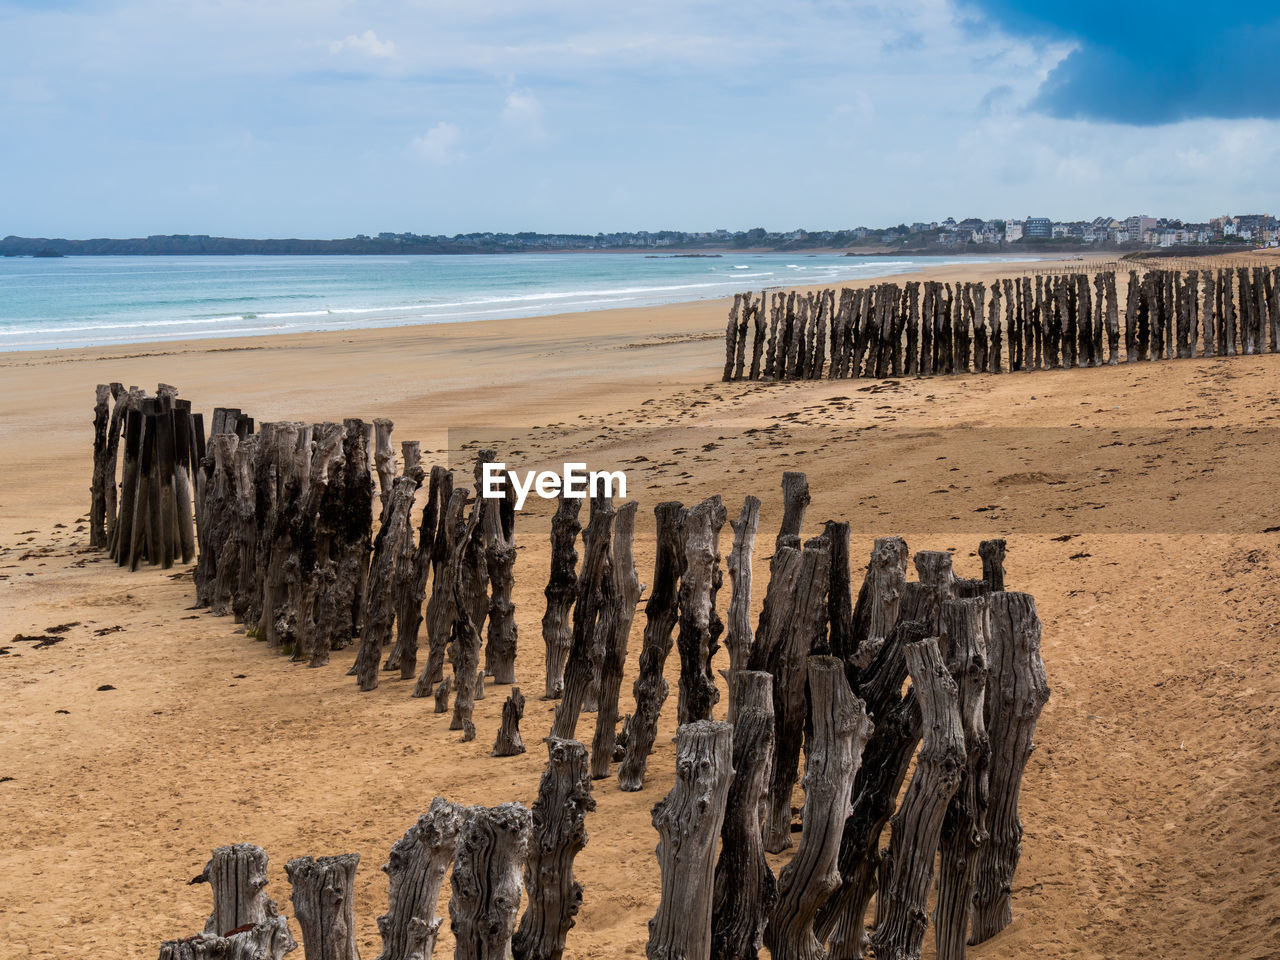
(328, 118)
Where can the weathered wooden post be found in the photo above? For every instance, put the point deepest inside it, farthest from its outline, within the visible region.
(237, 877)
(593, 582)
(384, 458)
(992, 553)
(964, 828)
(442, 691)
(744, 887)
(508, 742)
(616, 627)
(467, 575)
(415, 872)
(100, 481)
(557, 628)
(731, 338)
(357, 533)
(1113, 318)
(559, 834)
(842, 638)
(661, 613)
(840, 732)
(738, 636)
(697, 692)
(795, 639)
(323, 903)
(688, 821)
(439, 612)
(498, 523)
(487, 882)
(757, 347)
(412, 571)
(903, 912)
(879, 600)
(1016, 693)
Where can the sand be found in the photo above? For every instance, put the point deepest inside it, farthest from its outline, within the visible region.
(1149, 805)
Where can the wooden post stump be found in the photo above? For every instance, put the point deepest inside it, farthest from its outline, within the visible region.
(500, 560)
(697, 692)
(442, 695)
(738, 636)
(557, 628)
(323, 903)
(688, 821)
(237, 876)
(415, 872)
(559, 834)
(487, 882)
(615, 627)
(1016, 693)
(992, 553)
(508, 742)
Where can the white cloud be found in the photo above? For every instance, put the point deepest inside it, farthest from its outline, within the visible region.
(523, 114)
(366, 43)
(439, 145)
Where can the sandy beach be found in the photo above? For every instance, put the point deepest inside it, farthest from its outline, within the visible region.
(1149, 543)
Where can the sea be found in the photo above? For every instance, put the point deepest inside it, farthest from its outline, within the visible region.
(60, 302)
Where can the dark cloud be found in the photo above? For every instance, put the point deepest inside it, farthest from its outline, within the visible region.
(1149, 62)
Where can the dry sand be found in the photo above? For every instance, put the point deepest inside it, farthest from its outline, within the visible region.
(1149, 807)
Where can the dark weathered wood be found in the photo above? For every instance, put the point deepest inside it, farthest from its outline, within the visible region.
(440, 605)
(738, 635)
(661, 612)
(267, 940)
(688, 821)
(561, 589)
(903, 912)
(875, 791)
(992, 553)
(487, 882)
(379, 612)
(731, 338)
(413, 569)
(442, 691)
(323, 903)
(795, 499)
(500, 560)
(467, 575)
(840, 732)
(594, 582)
(615, 628)
(964, 828)
(744, 887)
(804, 623)
(415, 872)
(758, 344)
(841, 638)
(355, 540)
(697, 692)
(1016, 693)
(879, 602)
(99, 481)
(559, 834)
(508, 742)
(183, 491)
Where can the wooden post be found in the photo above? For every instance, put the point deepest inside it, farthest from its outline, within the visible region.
(992, 553)
(879, 600)
(964, 829)
(323, 903)
(840, 732)
(927, 311)
(486, 881)
(379, 614)
(903, 911)
(412, 573)
(738, 637)
(182, 489)
(357, 533)
(237, 876)
(442, 695)
(384, 458)
(267, 940)
(508, 742)
(661, 613)
(616, 628)
(688, 821)
(440, 606)
(1113, 318)
(580, 666)
(912, 367)
(731, 338)
(1017, 692)
(498, 520)
(839, 599)
(99, 482)
(757, 346)
(557, 628)
(415, 872)
(697, 692)
(795, 498)
(995, 351)
(744, 886)
(803, 624)
(467, 575)
(559, 834)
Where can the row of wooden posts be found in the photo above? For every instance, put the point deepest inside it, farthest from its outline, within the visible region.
(820, 671)
(1043, 322)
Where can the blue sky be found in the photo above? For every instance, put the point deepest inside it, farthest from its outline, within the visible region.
(334, 117)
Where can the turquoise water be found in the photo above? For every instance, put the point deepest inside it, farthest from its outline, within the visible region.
(93, 301)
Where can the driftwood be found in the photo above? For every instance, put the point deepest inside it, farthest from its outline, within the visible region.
(745, 888)
(840, 732)
(661, 612)
(415, 872)
(486, 881)
(697, 691)
(323, 903)
(902, 914)
(1016, 693)
(557, 628)
(688, 821)
(615, 625)
(593, 583)
(508, 742)
(559, 834)
(964, 828)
